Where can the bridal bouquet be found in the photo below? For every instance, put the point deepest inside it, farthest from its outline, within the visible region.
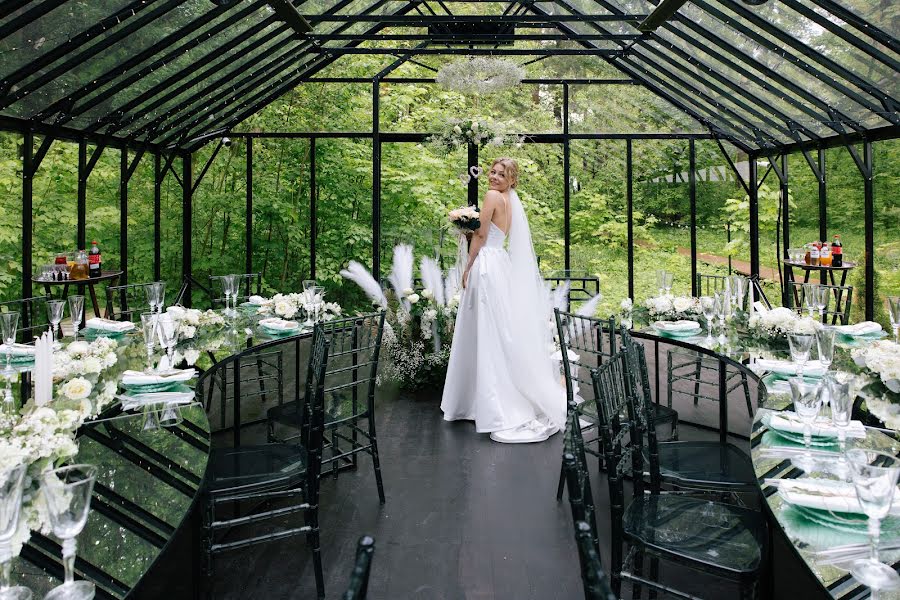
(466, 218)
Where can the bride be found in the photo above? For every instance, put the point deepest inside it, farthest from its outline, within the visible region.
(500, 374)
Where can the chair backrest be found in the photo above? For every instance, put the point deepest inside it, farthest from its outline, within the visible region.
(127, 302)
(620, 438)
(312, 415)
(354, 350)
(840, 299)
(593, 578)
(578, 481)
(708, 285)
(33, 318)
(248, 285)
(582, 285)
(638, 389)
(592, 340)
(359, 578)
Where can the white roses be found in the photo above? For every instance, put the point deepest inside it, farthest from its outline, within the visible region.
(76, 389)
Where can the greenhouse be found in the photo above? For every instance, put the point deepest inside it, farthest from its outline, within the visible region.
(617, 282)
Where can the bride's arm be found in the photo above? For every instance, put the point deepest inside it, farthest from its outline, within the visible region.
(480, 235)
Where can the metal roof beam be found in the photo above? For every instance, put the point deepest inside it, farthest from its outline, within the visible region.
(28, 16)
(287, 13)
(337, 51)
(662, 13)
(123, 67)
(860, 24)
(424, 20)
(475, 38)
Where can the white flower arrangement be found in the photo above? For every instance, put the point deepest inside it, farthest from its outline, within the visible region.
(881, 358)
(294, 305)
(672, 307)
(459, 133)
(480, 75)
(188, 320)
(779, 322)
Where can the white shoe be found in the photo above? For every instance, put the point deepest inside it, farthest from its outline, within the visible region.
(530, 432)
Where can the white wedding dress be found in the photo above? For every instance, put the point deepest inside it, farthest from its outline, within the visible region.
(500, 373)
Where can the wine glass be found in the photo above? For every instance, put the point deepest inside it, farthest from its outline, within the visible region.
(894, 313)
(155, 294)
(823, 295)
(318, 300)
(807, 403)
(841, 410)
(722, 306)
(9, 325)
(668, 280)
(875, 479)
(661, 281)
(76, 312)
(308, 284)
(738, 289)
(55, 309)
(11, 485)
(809, 298)
(168, 337)
(800, 344)
(825, 344)
(67, 491)
(708, 306)
(148, 326)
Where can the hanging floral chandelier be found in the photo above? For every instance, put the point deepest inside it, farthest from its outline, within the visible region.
(480, 75)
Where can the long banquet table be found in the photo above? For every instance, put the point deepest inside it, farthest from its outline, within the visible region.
(142, 536)
(738, 351)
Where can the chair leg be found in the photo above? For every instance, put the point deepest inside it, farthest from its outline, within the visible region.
(312, 540)
(376, 461)
(206, 566)
(697, 367)
(654, 574)
(746, 387)
(636, 590)
(561, 485)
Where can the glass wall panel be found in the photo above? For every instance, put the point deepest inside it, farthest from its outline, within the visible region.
(418, 189)
(281, 213)
(317, 107)
(803, 216)
(845, 216)
(722, 214)
(10, 215)
(171, 226)
(140, 224)
(887, 215)
(219, 211)
(102, 216)
(599, 217)
(55, 204)
(662, 201)
(344, 216)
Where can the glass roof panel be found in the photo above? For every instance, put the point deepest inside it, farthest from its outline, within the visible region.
(625, 109)
(54, 28)
(189, 56)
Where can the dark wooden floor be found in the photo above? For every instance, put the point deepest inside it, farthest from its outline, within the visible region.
(465, 518)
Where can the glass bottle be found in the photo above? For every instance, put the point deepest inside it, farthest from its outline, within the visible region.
(837, 252)
(80, 268)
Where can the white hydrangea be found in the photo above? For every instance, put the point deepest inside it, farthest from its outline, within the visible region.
(76, 389)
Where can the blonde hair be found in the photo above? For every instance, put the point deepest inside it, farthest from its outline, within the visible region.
(512, 169)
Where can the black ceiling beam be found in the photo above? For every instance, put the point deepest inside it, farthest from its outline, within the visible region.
(423, 80)
(214, 62)
(28, 16)
(79, 59)
(424, 21)
(839, 31)
(287, 13)
(860, 24)
(662, 13)
(337, 51)
(70, 134)
(745, 62)
(11, 6)
(888, 132)
(133, 77)
(801, 64)
(485, 38)
(660, 89)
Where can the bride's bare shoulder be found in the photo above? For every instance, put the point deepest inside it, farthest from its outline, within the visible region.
(493, 196)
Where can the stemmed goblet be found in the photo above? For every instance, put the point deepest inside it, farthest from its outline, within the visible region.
(800, 344)
(894, 313)
(11, 485)
(76, 313)
(68, 494)
(9, 325)
(738, 287)
(308, 284)
(708, 306)
(168, 337)
(318, 300)
(825, 345)
(148, 327)
(807, 403)
(875, 479)
(823, 295)
(55, 309)
(810, 299)
(156, 293)
(841, 410)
